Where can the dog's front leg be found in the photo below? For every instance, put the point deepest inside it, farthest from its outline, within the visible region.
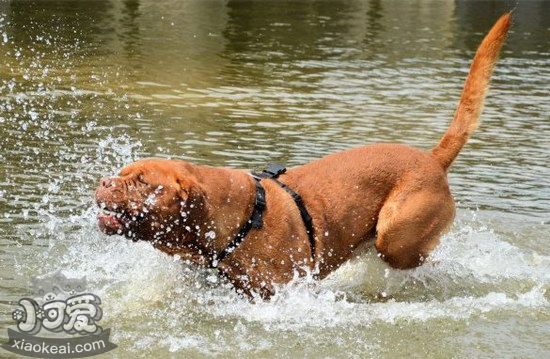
(247, 284)
(186, 254)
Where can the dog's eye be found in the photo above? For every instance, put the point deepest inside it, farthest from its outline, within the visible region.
(141, 179)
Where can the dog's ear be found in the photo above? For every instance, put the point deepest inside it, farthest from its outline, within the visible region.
(186, 187)
(190, 191)
(193, 205)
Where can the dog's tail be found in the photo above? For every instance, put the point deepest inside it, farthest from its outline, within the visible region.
(470, 106)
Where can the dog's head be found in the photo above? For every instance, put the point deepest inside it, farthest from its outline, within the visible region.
(149, 200)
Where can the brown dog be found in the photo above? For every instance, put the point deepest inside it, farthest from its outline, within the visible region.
(394, 193)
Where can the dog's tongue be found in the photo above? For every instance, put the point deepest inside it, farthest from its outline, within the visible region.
(109, 224)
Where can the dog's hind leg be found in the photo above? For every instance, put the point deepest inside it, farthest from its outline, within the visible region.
(410, 224)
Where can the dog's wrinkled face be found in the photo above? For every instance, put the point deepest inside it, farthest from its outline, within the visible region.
(146, 201)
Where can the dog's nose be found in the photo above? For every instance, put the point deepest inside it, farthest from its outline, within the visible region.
(106, 182)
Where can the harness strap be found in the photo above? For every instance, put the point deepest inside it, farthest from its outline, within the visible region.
(256, 218)
(306, 218)
(255, 221)
(273, 171)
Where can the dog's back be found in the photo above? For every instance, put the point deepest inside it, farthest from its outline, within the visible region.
(395, 191)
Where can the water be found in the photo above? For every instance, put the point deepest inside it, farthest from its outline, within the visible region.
(89, 86)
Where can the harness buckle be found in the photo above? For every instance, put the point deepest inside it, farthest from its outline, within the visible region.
(273, 170)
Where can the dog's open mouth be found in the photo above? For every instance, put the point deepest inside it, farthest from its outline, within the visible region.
(112, 221)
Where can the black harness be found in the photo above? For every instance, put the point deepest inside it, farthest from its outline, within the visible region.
(273, 171)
